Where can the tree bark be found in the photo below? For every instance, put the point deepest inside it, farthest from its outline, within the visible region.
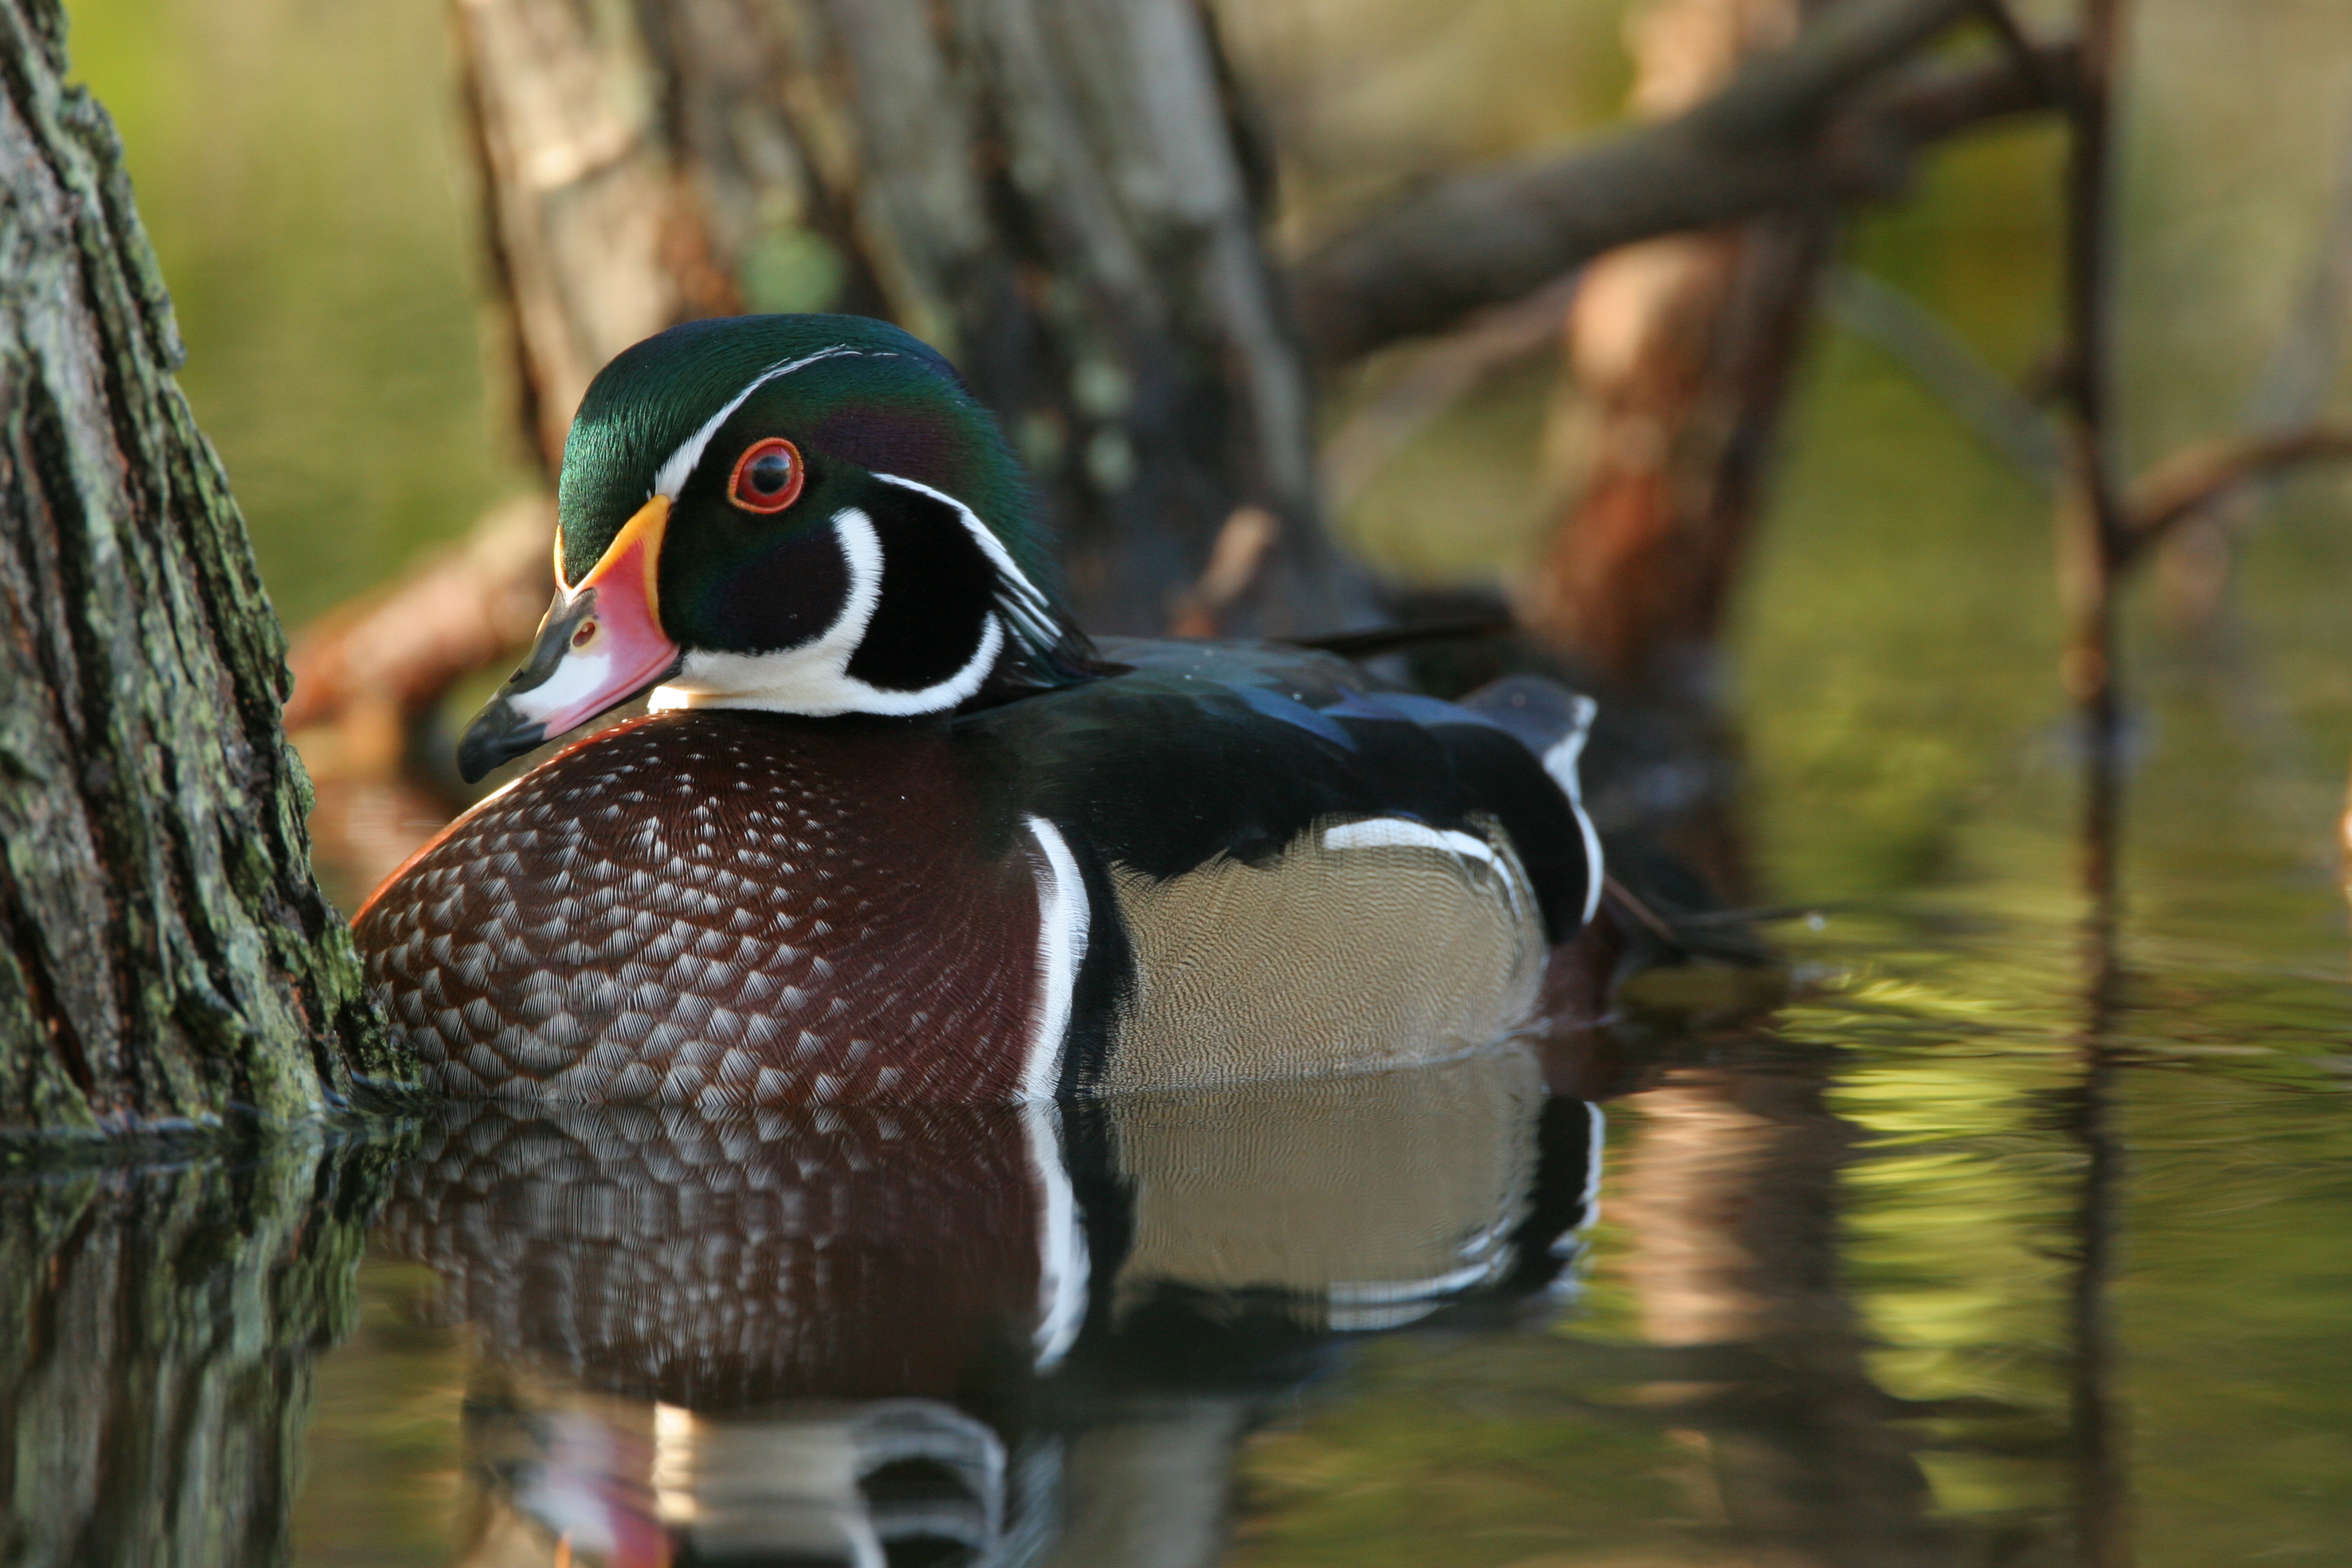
(158, 1326)
(369, 678)
(164, 953)
(1063, 196)
(1683, 352)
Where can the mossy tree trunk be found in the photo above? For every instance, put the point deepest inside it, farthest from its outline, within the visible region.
(164, 953)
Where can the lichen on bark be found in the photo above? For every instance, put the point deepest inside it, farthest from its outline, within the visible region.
(165, 956)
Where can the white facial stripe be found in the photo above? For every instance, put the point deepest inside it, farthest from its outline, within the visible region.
(797, 681)
(1062, 1260)
(1062, 920)
(1561, 762)
(671, 477)
(1022, 599)
(813, 679)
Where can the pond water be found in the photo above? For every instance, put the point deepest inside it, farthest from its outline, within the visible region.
(1945, 1239)
(1917, 1250)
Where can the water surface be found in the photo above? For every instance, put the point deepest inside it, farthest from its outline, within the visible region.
(1808, 1285)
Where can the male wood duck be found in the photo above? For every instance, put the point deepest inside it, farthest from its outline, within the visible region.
(893, 830)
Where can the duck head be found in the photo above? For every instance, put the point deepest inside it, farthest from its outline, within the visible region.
(807, 514)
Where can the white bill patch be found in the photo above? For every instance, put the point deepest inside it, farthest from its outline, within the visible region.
(1062, 1265)
(1062, 920)
(813, 679)
(578, 676)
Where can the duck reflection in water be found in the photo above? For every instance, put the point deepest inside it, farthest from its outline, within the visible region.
(967, 1335)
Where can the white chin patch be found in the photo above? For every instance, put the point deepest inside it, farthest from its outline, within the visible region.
(813, 679)
(577, 676)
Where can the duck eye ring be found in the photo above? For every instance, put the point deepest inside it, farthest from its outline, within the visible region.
(767, 477)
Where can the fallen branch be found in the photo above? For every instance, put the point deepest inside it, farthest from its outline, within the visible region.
(2188, 482)
(1794, 130)
(1979, 397)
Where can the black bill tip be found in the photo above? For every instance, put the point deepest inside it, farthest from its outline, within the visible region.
(498, 734)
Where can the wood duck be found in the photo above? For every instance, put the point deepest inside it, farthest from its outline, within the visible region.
(893, 830)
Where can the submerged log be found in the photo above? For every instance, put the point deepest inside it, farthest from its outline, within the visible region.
(164, 953)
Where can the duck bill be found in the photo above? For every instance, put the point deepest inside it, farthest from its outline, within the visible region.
(601, 644)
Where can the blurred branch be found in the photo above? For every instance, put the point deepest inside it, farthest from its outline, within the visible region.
(2021, 46)
(1971, 390)
(370, 675)
(2099, 537)
(2186, 483)
(1435, 382)
(2290, 394)
(2304, 360)
(1794, 129)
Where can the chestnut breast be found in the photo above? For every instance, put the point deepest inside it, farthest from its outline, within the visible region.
(723, 909)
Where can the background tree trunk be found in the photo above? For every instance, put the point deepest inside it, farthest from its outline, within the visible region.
(1064, 196)
(1731, 1194)
(1682, 349)
(1681, 352)
(164, 954)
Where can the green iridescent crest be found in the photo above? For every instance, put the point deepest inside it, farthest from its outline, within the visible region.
(863, 394)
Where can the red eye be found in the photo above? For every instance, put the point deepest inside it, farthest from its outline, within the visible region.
(767, 477)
